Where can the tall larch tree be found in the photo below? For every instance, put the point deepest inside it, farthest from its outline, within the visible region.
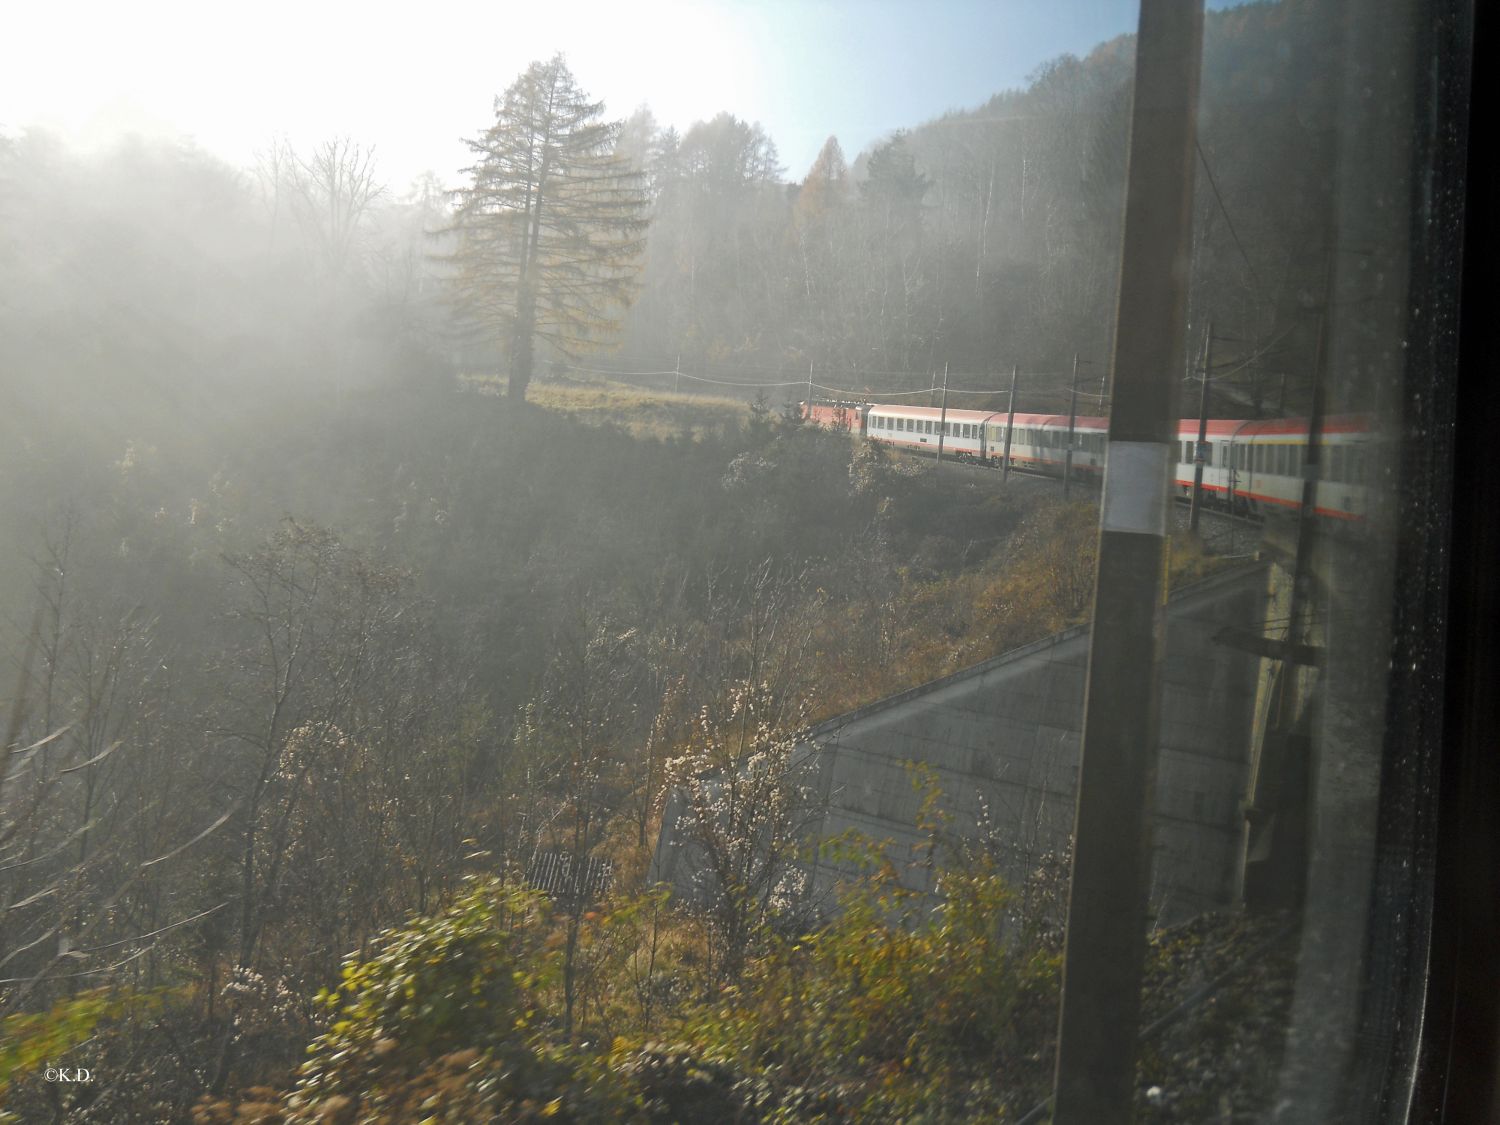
(827, 183)
(820, 234)
(550, 226)
(895, 270)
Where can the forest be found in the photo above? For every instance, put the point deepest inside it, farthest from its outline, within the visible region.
(350, 580)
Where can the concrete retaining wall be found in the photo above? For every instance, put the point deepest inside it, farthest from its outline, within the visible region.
(1002, 740)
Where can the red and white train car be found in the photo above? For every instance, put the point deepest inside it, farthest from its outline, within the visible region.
(1248, 466)
(1260, 466)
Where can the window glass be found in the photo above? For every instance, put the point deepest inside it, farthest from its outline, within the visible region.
(313, 446)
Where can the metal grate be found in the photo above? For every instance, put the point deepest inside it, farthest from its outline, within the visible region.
(570, 880)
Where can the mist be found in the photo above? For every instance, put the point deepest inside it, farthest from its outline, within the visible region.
(370, 550)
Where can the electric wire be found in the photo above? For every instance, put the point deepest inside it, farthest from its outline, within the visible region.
(1229, 222)
(858, 392)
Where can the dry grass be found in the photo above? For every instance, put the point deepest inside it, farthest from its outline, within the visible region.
(639, 410)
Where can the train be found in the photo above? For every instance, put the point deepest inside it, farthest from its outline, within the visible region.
(1251, 468)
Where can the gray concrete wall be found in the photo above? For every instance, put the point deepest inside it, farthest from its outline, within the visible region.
(1003, 738)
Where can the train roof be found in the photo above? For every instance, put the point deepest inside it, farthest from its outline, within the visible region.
(1187, 428)
(1083, 422)
(1289, 427)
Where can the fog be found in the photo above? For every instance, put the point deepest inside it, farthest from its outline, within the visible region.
(348, 552)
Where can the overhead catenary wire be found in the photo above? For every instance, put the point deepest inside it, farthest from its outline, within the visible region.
(1254, 356)
(772, 385)
(860, 373)
(1240, 365)
(736, 383)
(608, 371)
(951, 391)
(1229, 222)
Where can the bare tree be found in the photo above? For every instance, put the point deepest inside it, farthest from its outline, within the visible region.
(746, 813)
(313, 611)
(584, 718)
(329, 195)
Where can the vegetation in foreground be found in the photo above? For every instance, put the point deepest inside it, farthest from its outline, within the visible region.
(273, 744)
(319, 662)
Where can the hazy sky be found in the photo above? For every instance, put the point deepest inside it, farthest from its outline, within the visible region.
(412, 80)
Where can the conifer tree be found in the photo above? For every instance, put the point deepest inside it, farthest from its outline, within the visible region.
(821, 232)
(894, 187)
(827, 184)
(549, 228)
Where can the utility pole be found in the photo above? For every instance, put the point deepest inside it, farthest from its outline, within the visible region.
(1072, 425)
(1200, 449)
(1106, 930)
(1010, 423)
(809, 389)
(943, 418)
(677, 371)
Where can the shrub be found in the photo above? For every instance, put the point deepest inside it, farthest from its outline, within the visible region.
(444, 1024)
(894, 1010)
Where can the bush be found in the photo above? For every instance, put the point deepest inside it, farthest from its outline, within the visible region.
(444, 1024)
(893, 1011)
